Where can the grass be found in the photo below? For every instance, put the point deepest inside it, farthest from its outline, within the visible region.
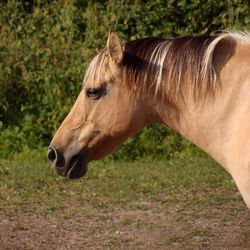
(189, 183)
(183, 190)
(29, 179)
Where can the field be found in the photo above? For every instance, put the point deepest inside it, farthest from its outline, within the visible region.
(188, 202)
(147, 204)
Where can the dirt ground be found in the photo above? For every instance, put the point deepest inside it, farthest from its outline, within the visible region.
(138, 225)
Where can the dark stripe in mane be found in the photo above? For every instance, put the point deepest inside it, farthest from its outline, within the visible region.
(163, 63)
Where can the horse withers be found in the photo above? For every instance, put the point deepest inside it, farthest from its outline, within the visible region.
(199, 86)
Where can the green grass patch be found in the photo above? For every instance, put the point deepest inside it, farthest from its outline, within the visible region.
(29, 181)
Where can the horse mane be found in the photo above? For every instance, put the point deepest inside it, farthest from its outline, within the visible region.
(168, 64)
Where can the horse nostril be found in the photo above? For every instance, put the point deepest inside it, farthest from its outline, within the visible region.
(51, 154)
(56, 157)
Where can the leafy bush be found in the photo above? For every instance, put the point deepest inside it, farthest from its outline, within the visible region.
(45, 47)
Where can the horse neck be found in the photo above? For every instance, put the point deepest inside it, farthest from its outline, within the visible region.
(214, 124)
(198, 124)
(220, 125)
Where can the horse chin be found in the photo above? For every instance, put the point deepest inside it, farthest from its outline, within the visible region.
(78, 170)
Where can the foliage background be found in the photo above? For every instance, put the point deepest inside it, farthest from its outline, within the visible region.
(45, 47)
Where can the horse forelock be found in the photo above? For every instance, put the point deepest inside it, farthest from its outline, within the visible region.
(98, 71)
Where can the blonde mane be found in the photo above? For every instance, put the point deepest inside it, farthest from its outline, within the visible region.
(167, 64)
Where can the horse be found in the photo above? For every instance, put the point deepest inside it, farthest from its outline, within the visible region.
(197, 85)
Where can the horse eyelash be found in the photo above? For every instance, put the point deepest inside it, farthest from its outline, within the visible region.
(91, 92)
(95, 92)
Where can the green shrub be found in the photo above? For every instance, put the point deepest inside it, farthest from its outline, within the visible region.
(45, 47)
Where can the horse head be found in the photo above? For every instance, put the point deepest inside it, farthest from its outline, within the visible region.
(104, 115)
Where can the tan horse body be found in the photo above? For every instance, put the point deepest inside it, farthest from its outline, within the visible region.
(199, 86)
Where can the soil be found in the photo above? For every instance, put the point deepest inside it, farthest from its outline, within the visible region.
(138, 225)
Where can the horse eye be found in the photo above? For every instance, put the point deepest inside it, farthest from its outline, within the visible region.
(93, 92)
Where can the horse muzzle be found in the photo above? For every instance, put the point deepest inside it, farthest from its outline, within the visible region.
(72, 165)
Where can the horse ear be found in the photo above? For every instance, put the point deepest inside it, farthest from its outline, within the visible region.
(114, 46)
